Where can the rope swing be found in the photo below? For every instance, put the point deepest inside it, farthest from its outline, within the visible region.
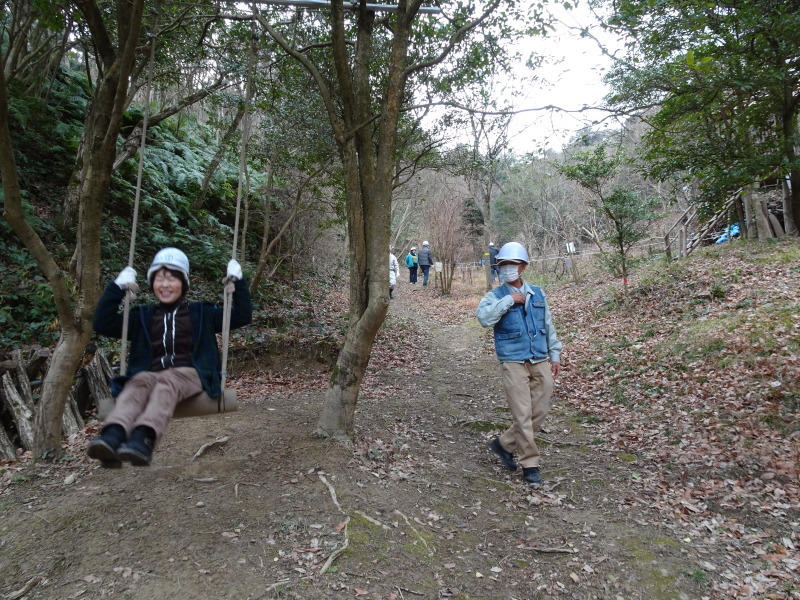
(200, 404)
(129, 293)
(246, 124)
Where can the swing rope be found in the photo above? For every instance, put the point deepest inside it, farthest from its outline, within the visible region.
(229, 286)
(129, 293)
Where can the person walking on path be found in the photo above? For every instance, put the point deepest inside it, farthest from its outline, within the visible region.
(174, 354)
(425, 261)
(494, 269)
(394, 273)
(411, 263)
(529, 352)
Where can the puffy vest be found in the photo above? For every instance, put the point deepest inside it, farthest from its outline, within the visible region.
(520, 334)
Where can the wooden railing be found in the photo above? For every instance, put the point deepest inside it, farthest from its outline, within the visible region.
(683, 240)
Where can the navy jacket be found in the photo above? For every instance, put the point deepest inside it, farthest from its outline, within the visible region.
(206, 323)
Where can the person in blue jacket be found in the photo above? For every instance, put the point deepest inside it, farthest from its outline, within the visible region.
(411, 263)
(173, 354)
(530, 358)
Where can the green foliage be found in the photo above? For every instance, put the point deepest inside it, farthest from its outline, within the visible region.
(627, 213)
(719, 74)
(27, 313)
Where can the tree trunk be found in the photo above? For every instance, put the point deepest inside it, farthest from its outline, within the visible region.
(102, 127)
(368, 189)
(218, 155)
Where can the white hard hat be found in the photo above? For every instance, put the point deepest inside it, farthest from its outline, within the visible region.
(425, 243)
(172, 258)
(491, 243)
(513, 252)
(413, 247)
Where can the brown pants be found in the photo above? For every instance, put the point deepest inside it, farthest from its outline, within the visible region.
(528, 389)
(150, 397)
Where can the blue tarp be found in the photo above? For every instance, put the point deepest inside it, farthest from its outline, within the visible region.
(732, 232)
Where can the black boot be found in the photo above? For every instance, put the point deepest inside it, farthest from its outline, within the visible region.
(532, 475)
(505, 457)
(104, 447)
(138, 450)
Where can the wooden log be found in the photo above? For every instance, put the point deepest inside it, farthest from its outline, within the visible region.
(69, 422)
(72, 404)
(776, 226)
(23, 416)
(23, 382)
(97, 375)
(7, 449)
(38, 363)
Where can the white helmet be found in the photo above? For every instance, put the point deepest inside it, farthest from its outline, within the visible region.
(491, 244)
(513, 252)
(413, 247)
(425, 243)
(172, 258)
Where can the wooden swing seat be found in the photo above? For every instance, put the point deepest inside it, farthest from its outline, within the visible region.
(202, 404)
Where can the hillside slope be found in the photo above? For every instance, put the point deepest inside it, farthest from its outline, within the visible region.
(694, 379)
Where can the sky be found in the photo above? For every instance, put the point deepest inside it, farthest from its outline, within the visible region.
(571, 79)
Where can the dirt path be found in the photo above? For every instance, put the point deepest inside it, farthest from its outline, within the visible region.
(421, 504)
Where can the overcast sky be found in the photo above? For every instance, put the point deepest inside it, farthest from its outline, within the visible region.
(571, 79)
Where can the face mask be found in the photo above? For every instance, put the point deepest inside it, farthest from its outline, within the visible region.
(509, 272)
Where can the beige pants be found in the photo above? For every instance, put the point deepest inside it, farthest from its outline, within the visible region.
(150, 397)
(528, 389)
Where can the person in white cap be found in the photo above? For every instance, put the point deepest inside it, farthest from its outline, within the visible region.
(529, 352)
(411, 263)
(394, 273)
(173, 354)
(425, 261)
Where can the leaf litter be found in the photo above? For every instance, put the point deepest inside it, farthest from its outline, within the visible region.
(687, 404)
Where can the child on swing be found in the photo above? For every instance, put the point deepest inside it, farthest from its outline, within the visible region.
(173, 354)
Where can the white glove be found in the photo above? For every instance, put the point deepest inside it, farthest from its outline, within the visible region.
(126, 280)
(234, 270)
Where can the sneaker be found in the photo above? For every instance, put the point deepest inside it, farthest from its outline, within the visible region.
(532, 475)
(138, 450)
(505, 457)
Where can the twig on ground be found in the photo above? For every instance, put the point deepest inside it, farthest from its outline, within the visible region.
(498, 482)
(344, 547)
(276, 585)
(220, 441)
(205, 479)
(332, 492)
(553, 550)
(32, 583)
(402, 589)
(422, 539)
(554, 443)
(371, 520)
(334, 555)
